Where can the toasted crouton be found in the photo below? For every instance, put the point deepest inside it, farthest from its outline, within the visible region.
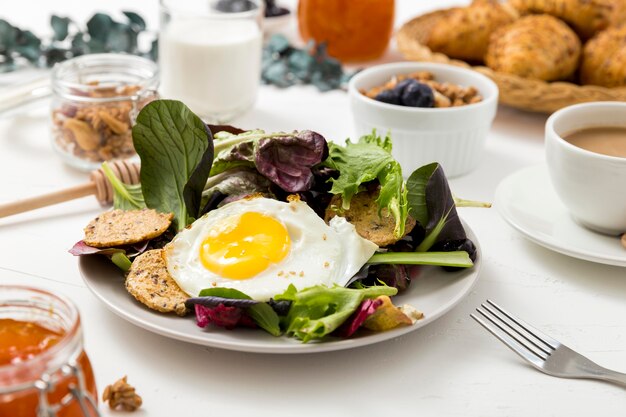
(150, 283)
(119, 227)
(364, 215)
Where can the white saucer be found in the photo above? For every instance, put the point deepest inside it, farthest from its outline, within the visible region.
(527, 201)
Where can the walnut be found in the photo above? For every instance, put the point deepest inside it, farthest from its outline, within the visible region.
(121, 395)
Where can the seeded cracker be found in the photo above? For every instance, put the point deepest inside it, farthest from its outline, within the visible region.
(363, 214)
(150, 283)
(119, 227)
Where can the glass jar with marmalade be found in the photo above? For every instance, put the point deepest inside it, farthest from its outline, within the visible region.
(354, 30)
(44, 370)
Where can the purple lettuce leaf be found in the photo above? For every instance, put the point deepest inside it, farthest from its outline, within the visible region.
(227, 317)
(288, 160)
(212, 301)
(80, 248)
(366, 309)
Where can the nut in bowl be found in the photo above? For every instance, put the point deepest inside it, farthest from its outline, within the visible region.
(452, 134)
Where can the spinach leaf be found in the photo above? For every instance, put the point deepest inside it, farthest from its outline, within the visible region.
(125, 196)
(172, 142)
(431, 203)
(367, 160)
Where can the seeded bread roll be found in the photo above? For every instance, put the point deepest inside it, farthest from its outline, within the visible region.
(604, 59)
(587, 17)
(540, 47)
(463, 33)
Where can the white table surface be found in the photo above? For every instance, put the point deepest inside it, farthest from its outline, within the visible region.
(450, 368)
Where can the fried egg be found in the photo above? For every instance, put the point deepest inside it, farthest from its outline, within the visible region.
(260, 246)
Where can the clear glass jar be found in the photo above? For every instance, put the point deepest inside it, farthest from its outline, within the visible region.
(58, 381)
(210, 55)
(95, 100)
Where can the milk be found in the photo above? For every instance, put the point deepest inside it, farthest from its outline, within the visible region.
(213, 66)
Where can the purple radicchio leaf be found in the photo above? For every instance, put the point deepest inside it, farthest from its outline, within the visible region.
(222, 316)
(80, 248)
(213, 301)
(288, 160)
(366, 309)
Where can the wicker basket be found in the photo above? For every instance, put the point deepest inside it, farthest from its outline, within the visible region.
(518, 92)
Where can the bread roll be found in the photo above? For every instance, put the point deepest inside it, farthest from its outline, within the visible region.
(538, 46)
(463, 32)
(587, 17)
(604, 59)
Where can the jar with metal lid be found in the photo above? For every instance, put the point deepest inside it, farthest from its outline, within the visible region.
(44, 370)
(95, 100)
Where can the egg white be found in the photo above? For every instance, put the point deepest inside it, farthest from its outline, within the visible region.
(319, 254)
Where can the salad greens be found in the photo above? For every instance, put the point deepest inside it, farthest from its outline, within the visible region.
(317, 311)
(125, 196)
(458, 259)
(432, 205)
(367, 160)
(286, 159)
(176, 151)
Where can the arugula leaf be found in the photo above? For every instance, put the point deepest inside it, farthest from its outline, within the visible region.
(125, 196)
(432, 205)
(172, 142)
(317, 311)
(367, 160)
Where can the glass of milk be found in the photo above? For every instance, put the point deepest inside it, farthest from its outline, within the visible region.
(210, 55)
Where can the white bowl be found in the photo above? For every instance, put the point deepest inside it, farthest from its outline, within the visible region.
(452, 136)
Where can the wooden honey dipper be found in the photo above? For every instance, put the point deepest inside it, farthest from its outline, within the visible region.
(99, 186)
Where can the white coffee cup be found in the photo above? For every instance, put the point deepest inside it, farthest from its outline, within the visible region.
(591, 185)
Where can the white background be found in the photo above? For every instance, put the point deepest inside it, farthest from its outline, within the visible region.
(450, 368)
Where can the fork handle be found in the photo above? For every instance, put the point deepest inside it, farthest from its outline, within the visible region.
(612, 376)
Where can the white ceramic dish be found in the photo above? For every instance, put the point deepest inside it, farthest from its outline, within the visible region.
(590, 185)
(452, 136)
(527, 201)
(434, 293)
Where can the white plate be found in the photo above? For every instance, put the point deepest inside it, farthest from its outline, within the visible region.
(434, 293)
(527, 201)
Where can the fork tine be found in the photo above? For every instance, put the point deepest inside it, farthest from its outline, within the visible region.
(546, 349)
(544, 338)
(509, 331)
(515, 346)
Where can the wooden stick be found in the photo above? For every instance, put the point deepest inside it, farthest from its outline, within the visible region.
(28, 204)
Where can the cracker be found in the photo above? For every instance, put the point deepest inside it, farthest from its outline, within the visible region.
(119, 227)
(363, 214)
(150, 283)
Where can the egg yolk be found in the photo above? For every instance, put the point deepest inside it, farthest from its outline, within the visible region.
(242, 246)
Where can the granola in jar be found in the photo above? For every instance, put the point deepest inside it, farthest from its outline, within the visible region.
(95, 100)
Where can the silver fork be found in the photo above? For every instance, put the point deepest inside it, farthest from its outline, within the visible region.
(540, 350)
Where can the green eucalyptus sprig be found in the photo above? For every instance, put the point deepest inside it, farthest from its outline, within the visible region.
(285, 65)
(69, 39)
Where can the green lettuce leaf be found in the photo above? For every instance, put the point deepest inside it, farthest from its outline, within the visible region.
(125, 196)
(367, 160)
(317, 311)
(172, 142)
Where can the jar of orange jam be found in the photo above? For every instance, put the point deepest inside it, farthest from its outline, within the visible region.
(354, 30)
(44, 370)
